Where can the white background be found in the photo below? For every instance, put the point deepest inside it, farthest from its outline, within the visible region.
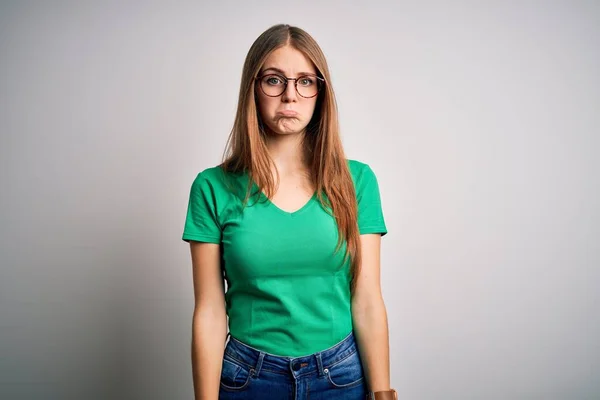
(480, 119)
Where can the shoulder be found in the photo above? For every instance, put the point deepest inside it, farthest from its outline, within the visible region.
(360, 171)
(370, 212)
(219, 183)
(211, 174)
(209, 180)
(216, 176)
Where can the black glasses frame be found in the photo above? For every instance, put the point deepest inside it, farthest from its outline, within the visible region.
(320, 82)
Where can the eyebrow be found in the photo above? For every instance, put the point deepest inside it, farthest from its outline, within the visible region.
(283, 73)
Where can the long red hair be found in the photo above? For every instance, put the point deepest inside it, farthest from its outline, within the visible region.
(246, 149)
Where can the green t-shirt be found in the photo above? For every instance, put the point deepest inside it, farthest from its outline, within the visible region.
(288, 293)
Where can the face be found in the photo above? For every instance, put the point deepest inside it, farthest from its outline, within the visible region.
(288, 113)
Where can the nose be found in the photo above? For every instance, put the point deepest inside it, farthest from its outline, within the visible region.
(290, 95)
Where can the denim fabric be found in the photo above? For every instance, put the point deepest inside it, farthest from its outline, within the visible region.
(332, 374)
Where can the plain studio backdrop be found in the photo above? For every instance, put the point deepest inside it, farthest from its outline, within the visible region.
(480, 119)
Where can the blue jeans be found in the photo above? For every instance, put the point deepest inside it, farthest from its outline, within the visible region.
(331, 374)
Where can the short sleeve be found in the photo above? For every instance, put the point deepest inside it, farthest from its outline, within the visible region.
(370, 213)
(201, 223)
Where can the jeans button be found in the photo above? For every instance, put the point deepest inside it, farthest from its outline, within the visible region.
(296, 366)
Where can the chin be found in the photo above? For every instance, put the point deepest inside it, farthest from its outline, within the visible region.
(288, 131)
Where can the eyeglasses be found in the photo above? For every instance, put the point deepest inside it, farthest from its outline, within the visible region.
(273, 85)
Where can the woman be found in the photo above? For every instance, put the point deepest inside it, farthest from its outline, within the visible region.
(294, 228)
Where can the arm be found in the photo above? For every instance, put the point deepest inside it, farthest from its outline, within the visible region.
(370, 317)
(209, 323)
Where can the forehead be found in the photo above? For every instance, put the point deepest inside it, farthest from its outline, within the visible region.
(289, 60)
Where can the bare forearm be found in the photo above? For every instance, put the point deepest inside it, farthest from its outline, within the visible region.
(209, 330)
(372, 336)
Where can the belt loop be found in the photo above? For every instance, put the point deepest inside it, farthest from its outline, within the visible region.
(319, 364)
(259, 362)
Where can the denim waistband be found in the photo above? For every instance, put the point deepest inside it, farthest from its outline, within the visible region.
(259, 360)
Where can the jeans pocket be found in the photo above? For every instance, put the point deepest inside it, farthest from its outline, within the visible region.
(234, 375)
(345, 373)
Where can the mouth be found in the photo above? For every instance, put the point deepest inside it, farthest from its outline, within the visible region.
(287, 113)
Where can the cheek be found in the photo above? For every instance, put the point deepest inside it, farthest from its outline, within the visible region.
(310, 108)
(266, 106)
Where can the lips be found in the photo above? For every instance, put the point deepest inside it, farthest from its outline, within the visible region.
(288, 113)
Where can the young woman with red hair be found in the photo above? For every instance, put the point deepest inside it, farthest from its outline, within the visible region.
(294, 229)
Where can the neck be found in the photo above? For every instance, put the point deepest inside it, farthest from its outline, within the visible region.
(288, 153)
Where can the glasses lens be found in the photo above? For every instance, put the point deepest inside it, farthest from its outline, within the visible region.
(307, 86)
(272, 85)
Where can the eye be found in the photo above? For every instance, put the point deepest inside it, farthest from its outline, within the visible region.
(273, 80)
(306, 81)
